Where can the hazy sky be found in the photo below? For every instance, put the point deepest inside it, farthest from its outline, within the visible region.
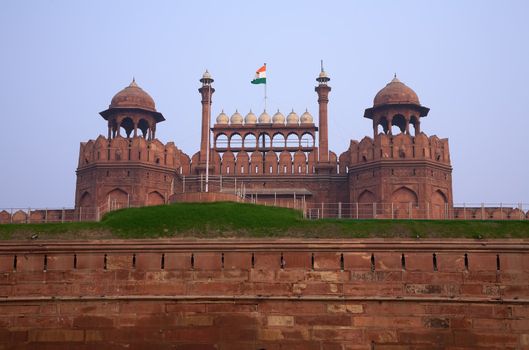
(62, 61)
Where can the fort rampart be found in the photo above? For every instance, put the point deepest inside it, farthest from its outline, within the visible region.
(264, 294)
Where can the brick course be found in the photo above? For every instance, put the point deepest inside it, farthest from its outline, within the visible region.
(298, 305)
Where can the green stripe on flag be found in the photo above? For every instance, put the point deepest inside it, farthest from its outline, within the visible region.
(259, 81)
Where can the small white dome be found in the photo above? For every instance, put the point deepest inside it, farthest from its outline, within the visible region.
(223, 118)
(264, 118)
(306, 118)
(250, 118)
(292, 118)
(206, 75)
(278, 118)
(236, 118)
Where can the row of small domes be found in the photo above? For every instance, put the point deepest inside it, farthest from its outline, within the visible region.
(264, 118)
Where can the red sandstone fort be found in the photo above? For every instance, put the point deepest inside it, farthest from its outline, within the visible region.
(267, 294)
(274, 158)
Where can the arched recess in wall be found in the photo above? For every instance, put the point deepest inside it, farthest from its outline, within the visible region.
(155, 198)
(221, 141)
(19, 217)
(401, 199)
(365, 205)
(127, 126)
(438, 205)
(117, 199)
(292, 140)
(249, 141)
(398, 124)
(307, 140)
(366, 197)
(235, 141)
(278, 140)
(404, 195)
(86, 200)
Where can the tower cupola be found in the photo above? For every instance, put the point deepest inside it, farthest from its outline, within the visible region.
(133, 111)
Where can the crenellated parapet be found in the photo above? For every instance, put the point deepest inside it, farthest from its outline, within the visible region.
(120, 150)
(401, 147)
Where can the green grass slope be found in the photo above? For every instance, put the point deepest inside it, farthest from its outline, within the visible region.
(228, 219)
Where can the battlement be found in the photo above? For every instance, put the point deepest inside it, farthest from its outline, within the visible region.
(402, 147)
(134, 149)
(265, 163)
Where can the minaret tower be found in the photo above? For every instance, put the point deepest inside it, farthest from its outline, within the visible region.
(206, 90)
(323, 90)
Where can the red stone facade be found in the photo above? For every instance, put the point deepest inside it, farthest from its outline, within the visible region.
(271, 155)
(265, 294)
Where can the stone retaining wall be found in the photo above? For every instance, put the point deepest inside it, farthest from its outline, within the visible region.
(265, 294)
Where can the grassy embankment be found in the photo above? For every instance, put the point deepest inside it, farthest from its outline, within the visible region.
(206, 220)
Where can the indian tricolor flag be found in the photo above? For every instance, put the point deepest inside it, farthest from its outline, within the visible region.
(260, 76)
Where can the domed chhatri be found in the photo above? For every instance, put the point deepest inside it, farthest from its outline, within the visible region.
(292, 118)
(396, 105)
(396, 92)
(133, 96)
(264, 118)
(223, 118)
(278, 118)
(306, 118)
(236, 118)
(250, 118)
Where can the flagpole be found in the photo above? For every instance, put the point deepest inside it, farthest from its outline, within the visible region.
(265, 91)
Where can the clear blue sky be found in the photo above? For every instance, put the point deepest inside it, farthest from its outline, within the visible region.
(62, 61)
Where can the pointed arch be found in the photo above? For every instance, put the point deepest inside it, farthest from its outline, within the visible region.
(117, 198)
(86, 200)
(127, 125)
(399, 121)
(439, 201)
(366, 197)
(404, 194)
(307, 140)
(235, 140)
(221, 141)
(403, 199)
(249, 141)
(278, 140)
(292, 140)
(155, 198)
(366, 205)
(143, 126)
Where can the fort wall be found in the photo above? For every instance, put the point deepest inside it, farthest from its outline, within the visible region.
(265, 294)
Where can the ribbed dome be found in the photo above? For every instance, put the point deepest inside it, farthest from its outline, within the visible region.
(236, 118)
(278, 118)
(223, 118)
(292, 118)
(396, 92)
(250, 118)
(133, 97)
(306, 118)
(264, 118)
